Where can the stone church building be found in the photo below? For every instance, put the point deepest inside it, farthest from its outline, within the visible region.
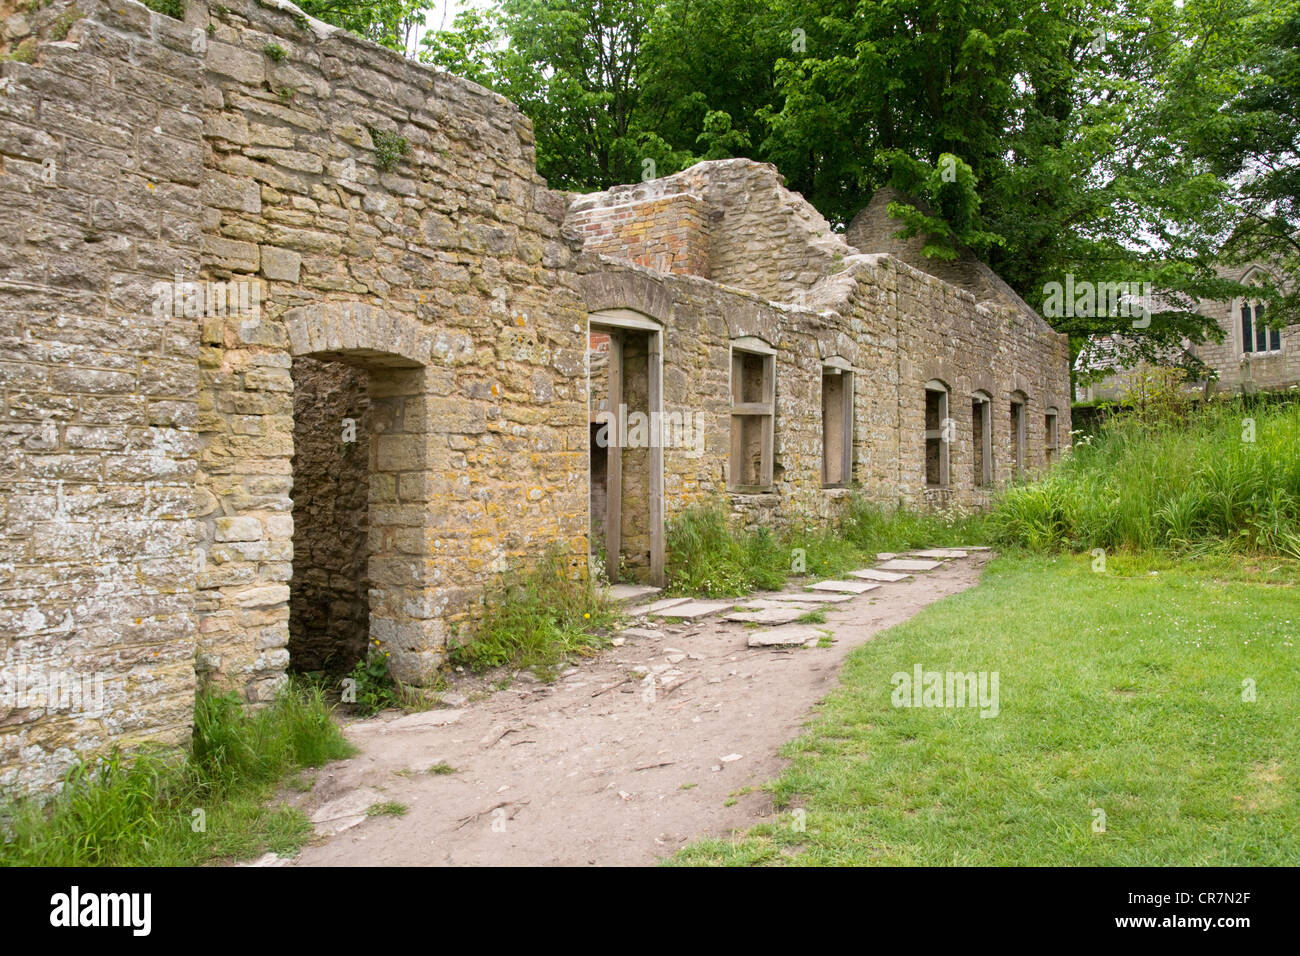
(1250, 356)
(297, 350)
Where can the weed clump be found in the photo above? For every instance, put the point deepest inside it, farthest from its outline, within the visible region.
(155, 809)
(168, 8)
(537, 617)
(705, 557)
(389, 147)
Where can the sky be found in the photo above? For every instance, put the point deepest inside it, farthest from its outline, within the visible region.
(440, 17)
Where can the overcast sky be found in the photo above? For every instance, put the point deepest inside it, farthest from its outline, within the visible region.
(440, 17)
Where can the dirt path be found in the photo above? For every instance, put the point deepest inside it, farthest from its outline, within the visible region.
(591, 771)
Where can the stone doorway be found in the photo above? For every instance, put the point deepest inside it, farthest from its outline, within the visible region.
(329, 593)
(625, 369)
(361, 504)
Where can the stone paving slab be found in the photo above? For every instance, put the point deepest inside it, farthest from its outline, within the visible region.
(939, 553)
(874, 574)
(658, 607)
(844, 587)
(770, 615)
(423, 720)
(693, 609)
(786, 636)
(640, 632)
(631, 592)
(814, 597)
(886, 556)
(766, 603)
(345, 812)
(973, 547)
(909, 564)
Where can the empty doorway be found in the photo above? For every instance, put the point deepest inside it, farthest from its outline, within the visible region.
(625, 401)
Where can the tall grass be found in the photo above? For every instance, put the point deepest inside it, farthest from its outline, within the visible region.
(1199, 485)
(705, 557)
(708, 556)
(157, 810)
(873, 528)
(536, 617)
(233, 749)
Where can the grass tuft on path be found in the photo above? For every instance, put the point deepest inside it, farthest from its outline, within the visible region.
(538, 616)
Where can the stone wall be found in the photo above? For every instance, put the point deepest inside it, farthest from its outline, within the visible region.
(897, 328)
(351, 206)
(99, 199)
(399, 223)
(668, 234)
(1236, 368)
(233, 232)
(757, 235)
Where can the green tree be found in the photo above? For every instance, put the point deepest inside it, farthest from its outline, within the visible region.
(1258, 149)
(572, 67)
(708, 76)
(471, 48)
(388, 22)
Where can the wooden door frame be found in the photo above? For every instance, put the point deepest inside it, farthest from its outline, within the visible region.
(618, 322)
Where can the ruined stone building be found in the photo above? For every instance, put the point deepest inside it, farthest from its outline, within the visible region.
(295, 351)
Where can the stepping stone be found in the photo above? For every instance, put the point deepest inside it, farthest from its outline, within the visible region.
(771, 615)
(345, 812)
(422, 720)
(939, 553)
(973, 547)
(693, 609)
(815, 597)
(886, 556)
(764, 604)
(847, 587)
(631, 592)
(658, 607)
(640, 632)
(908, 564)
(787, 636)
(872, 574)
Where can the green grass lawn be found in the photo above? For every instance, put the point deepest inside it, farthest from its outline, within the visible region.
(1120, 691)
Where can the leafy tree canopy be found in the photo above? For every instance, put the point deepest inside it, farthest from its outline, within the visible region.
(391, 23)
